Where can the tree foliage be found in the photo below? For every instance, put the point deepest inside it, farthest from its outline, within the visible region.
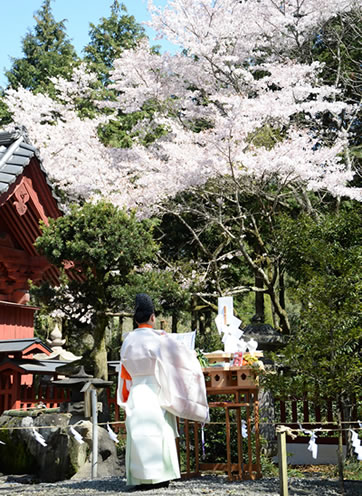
(104, 248)
(48, 53)
(211, 107)
(247, 106)
(110, 38)
(324, 257)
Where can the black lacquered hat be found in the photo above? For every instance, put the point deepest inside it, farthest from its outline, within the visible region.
(144, 304)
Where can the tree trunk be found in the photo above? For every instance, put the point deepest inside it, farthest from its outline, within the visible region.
(208, 321)
(194, 313)
(340, 452)
(120, 328)
(281, 291)
(282, 314)
(99, 353)
(174, 322)
(259, 298)
(348, 416)
(201, 320)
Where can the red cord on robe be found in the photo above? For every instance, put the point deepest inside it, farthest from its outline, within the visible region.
(126, 377)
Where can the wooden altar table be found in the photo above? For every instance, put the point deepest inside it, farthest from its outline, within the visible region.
(229, 389)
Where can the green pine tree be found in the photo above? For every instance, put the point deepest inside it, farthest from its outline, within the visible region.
(107, 246)
(48, 53)
(109, 38)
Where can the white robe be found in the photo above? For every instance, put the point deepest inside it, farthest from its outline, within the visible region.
(167, 380)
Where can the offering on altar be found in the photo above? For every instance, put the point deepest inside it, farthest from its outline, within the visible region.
(228, 327)
(238, 359)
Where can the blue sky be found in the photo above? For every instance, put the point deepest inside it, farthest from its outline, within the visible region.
(16, 20)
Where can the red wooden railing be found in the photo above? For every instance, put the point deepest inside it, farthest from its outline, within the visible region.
(49, 396)
(312, 415)
(14, 395)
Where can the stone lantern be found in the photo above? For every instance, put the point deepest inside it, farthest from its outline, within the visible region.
(79, 404)
(268, 338)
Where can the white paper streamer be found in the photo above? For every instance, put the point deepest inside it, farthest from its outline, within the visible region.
(228, 327)
(112, 434)
(244, 430)
(312, 446)
(1, 442)
(76, 435)
(356, 443)
(39, 437)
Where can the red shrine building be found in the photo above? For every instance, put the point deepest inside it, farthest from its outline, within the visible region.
(26, 197)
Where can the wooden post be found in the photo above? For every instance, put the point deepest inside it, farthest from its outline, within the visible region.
(340, 452)
(228, 448)
(248, 425)
(257, 438)
(282, 462)
(187, 440)
(91, 392)
(94, 433)
(196, 444)
(240, 442)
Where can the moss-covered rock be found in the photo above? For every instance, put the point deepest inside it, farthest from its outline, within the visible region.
(62, 457)
(22, 453)
(15, 457)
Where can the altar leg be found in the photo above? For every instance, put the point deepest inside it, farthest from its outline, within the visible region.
(240, 444)
(228, 448)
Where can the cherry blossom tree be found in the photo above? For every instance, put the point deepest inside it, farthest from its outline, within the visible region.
(71, 151)
(238, 102)
(236, 76)
(240, 105)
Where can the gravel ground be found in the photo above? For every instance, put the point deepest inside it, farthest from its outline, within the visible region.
(201, 486)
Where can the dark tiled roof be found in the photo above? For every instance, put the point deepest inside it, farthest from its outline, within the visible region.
(17, 345)
(34, 366)
(15, 155)
(42, 366)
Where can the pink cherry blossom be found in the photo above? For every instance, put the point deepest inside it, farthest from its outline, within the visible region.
(226, 44)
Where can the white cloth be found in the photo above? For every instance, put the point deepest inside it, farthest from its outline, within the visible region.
(167, 380)
(178, 373)
(151, 454)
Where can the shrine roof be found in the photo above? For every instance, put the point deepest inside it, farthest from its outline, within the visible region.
(31, 366)
(20, 345)
(15, 155)
(41, 365)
